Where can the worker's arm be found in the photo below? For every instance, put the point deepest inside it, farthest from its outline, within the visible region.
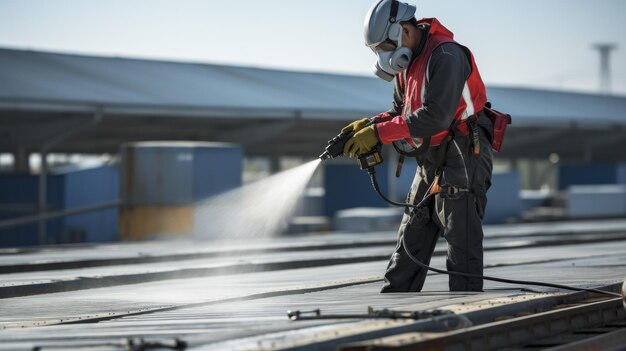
(449, 68)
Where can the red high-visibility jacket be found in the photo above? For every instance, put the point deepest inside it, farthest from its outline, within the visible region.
(414, 82)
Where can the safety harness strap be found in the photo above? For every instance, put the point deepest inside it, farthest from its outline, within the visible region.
(442, 154)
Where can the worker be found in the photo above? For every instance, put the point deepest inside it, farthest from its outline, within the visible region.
(437, 117)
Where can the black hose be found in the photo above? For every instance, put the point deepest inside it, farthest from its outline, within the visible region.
(372, 173)
(502, 280)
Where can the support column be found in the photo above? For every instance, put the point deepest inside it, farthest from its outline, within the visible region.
(44, 150)
(20, 161)
(514, 164)
(531, 174)
(274, 164)
(43, 197)
(588, 153)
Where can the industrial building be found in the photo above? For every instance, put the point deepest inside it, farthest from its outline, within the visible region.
(179, 133)
(53, 103)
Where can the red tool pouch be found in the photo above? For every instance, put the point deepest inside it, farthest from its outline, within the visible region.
(500, 122)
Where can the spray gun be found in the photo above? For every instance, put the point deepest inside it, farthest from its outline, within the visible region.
(366, 161)
(335, 149)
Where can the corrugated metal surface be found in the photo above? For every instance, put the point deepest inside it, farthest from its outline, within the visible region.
(42, 77)
(235, 311)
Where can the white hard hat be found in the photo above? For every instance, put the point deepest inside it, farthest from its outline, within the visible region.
(382, 24)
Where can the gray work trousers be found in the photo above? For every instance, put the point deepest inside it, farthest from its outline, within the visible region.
(457, 217)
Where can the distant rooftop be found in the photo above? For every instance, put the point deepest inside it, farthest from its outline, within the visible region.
(63, 82)
(268, 112)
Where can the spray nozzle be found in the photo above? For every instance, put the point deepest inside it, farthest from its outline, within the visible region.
(325, 156)
(335, 146)
(335, 149)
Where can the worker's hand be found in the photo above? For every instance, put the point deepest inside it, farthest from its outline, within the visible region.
(356, 126)
(361, 142)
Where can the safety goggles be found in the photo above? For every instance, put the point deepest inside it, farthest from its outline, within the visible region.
(387, 45)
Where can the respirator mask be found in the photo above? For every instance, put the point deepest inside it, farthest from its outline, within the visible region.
(383, 34)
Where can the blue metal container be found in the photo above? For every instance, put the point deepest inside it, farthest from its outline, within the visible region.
(91, 187)
(216, 168)
(161, 181)
(591, 174)
(19, 197)
(347, 186)
(178, 173)
(503, 198)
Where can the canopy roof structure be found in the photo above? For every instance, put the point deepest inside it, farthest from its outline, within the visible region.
(110, 100)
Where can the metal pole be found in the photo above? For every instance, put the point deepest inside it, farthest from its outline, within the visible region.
(30, 219)
(587, 153)
(20, 164)
(274, 162)
(605, 68)
(43, 197)
(43, 181)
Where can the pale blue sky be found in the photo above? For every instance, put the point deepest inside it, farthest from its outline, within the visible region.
(516, 43)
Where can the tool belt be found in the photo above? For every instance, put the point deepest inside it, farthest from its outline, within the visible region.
(453, 190)
(500, 121)
(404, 149)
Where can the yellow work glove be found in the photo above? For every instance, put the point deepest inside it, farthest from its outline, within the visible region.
(356, 126)
(361, 142)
